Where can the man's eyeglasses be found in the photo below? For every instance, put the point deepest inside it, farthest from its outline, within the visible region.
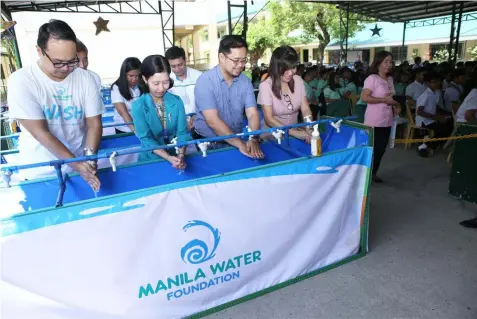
(238, 61)
(59, 65)
(287, 99)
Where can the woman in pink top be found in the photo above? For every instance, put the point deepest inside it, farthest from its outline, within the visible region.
(378, 92)
(282, 94)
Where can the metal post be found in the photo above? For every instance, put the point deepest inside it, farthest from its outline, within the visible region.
(245, 20)
(341, 37)
(230, 16)
(459, 22)
(403, 41)
(173, 24)
(451, 42)
(347, 32)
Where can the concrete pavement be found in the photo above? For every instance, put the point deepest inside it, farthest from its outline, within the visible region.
(422, 263)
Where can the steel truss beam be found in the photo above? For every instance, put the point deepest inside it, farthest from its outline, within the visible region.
(120, 7)
(167, 21)
(438, 21)
(244, 15)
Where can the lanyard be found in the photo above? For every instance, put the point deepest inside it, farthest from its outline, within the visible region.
(161, 112)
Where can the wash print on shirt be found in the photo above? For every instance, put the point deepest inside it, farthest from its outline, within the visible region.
(70, 114)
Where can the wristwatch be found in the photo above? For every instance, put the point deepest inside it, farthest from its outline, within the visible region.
(87, 152)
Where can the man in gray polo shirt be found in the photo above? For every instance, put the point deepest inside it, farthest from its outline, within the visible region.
(223, 93)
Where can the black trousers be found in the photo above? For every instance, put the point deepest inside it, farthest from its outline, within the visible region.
(381, 139)
(440, 130)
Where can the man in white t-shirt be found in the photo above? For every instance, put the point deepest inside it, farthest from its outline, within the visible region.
(82, 53)
(185, 79)
(454, 90)
(58, 106)
(467, 111)
(415, 89)
(427, 115)
(417, 63)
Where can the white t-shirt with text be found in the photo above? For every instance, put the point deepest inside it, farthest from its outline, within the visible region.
(116, 97)
(65, 105)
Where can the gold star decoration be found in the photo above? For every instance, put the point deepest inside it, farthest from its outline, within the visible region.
(101, 25)
(7, 24)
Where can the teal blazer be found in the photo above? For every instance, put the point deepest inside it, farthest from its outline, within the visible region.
(149, 128)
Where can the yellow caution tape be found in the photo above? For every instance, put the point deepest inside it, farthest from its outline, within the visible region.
(437, 139)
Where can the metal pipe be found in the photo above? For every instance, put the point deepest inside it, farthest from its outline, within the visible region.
(13, 168)
(61, 185)
(347, 33)
(451, 37)
(403, 41)
(229, 9)
(245, 21)
(459, 22)
(16, 135)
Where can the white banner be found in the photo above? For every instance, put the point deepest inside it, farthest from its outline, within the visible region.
(181, 251)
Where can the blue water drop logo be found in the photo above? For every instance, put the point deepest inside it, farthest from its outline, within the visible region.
(196, 251)
(60, 90)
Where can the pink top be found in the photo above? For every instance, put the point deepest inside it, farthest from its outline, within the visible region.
(280, 107)
(379, 114)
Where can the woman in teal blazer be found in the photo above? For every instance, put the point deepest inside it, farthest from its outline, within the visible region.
(158, 115)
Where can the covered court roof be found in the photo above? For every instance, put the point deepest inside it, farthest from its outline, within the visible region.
(402, 11)
(130, 6)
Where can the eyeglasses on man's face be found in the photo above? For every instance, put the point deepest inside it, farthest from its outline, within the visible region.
(59, 65)
(237, 61)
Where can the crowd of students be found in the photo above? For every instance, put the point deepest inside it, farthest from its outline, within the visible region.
(59, 106)
(430, 89)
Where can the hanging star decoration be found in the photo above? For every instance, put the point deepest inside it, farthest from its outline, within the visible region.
(101, 25)
(376, 31)
(7, 24)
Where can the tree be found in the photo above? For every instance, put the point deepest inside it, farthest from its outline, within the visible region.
(441, 55)
(473, 52)
(316, 20)
(262, 35)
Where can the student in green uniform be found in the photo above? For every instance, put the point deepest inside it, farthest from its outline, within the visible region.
(308, 77)
(323, 81)
(332, 90)
(401, 84)
(347, 82)
(313, 71)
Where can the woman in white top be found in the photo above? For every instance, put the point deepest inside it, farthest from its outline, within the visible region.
(125, 91)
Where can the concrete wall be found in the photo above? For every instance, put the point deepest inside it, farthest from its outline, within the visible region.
(424, 51)
(372, 53)
(467, 45)
(131, 35)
